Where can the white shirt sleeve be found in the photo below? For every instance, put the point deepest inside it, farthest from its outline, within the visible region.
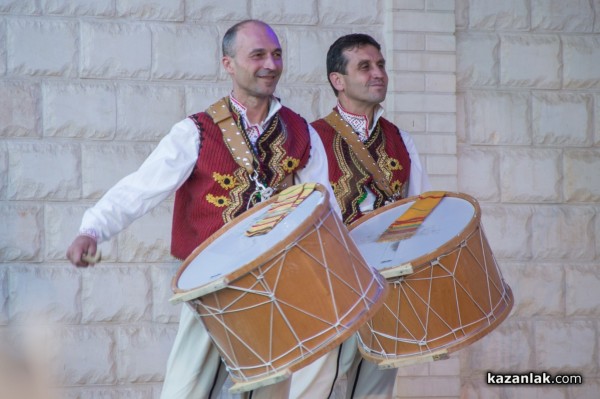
(161, 174)
(418, 181)
(316, 169)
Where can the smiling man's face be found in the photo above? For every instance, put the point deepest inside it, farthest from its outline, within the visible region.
(365, 81)
(257, 63)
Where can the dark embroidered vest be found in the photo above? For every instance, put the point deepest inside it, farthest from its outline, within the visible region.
(349, 178)
(219, 189)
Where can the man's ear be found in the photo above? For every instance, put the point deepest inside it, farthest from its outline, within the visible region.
(337, 81)
(227, 62)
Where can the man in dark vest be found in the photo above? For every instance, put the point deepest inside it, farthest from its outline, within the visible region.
(214, 182)
(371, 163)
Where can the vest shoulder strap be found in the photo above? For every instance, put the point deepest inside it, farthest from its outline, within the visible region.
(335, 120)
(233, 138)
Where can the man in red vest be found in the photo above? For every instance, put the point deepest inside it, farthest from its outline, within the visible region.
(371, 163)
(212, 185)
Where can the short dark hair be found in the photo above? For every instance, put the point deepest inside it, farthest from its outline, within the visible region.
(228, 45)
(336, 61)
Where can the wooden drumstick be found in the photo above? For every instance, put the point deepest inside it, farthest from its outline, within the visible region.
(92, 259)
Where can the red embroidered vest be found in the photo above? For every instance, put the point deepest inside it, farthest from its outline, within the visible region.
(219, 189)
(349, 178)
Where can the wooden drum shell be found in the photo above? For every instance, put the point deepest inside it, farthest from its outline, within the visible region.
(448, 298)
(289, 306)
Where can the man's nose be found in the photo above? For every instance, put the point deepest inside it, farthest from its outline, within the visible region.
(378, 72)
(272, 62)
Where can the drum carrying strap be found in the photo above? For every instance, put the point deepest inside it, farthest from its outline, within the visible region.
(233, 138)
(285, 203)
(335, 120)
(407, 224)
(238, 146)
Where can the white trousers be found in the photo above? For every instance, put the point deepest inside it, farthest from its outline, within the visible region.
(195, 370)
(364, 379)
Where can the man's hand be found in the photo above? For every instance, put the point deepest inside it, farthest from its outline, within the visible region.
(80, 247)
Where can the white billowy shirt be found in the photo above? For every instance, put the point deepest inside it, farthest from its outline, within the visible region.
(418, 180)
(169, 166)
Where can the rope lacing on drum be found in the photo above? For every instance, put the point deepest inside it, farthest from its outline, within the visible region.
(397, 282)
(407, 289)
(305, 346)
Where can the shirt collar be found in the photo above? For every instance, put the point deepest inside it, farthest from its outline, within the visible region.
(360, 122)
(274, 107)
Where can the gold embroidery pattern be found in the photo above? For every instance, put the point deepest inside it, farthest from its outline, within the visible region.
(393, 164)
(373, 136)
(388, 165)
(225, 181)
(342, 186)
(289, 164)
(334, 187)
(276, 163)
(396, 186)
(350, 182)
(217, 200)
(383, 160)
(236, 195)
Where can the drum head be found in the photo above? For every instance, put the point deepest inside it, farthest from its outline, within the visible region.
(447, 220)
(232, 249)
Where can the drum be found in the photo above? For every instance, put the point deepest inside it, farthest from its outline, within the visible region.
(446, 290)
(276, 302)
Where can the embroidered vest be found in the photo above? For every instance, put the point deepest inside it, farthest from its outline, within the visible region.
(219, 189)
(349, 178)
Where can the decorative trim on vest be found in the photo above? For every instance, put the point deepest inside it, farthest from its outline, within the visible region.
(219, 189)
(349, 178)
(360, 152)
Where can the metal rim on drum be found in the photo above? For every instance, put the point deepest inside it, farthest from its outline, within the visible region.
(413, 339)
(353, 300)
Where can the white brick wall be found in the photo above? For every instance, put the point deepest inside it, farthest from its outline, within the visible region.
(421, 51)
(79, 110)
(41, 47)
(530, 61)
(527, 92)
(501, 97)
(49, 179)
(19, 109)
(580, 54)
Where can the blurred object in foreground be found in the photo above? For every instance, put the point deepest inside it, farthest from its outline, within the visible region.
(24, 367)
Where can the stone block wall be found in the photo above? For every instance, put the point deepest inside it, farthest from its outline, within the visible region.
(527, 133)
